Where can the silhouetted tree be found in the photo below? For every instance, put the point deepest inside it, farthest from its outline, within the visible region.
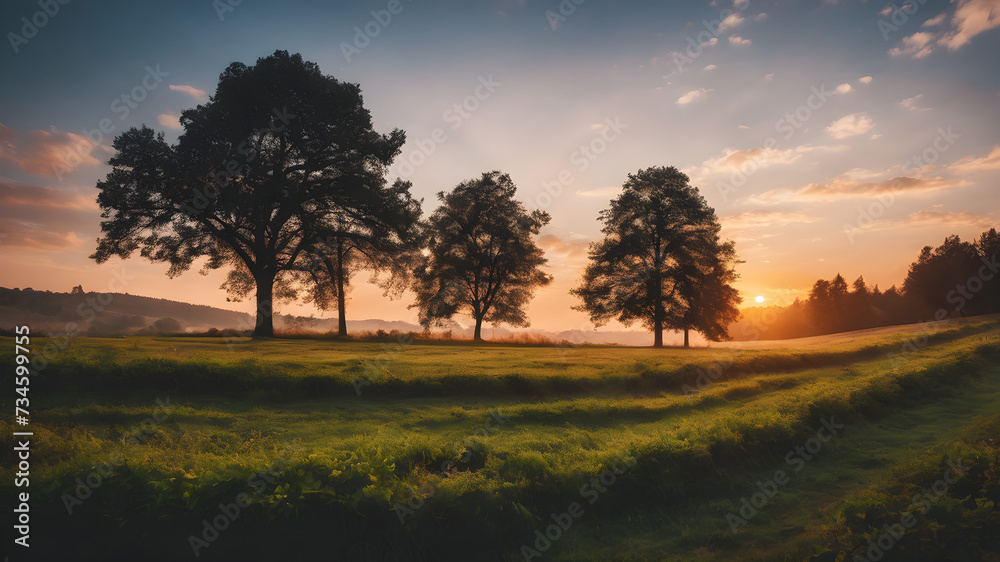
(661, 261)
(481, 257)
(78, 290)
(253, 179)
(385, 241)
(933, 280)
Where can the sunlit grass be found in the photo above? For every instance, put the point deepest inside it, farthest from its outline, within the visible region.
(568, 413)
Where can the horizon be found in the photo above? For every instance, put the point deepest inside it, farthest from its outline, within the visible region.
(825, 117)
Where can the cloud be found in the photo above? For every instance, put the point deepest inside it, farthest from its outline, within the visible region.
(691, 96)
(45, 218)
(913, 104)
(732, 21)
(918, 45)
(765, 219)
(760, 17)
(937, 20)
(711, 67)
(607, 191)
(769, 77)
(739, 41)
(732, 160)
(887, 10)
(14, 193)
(865, 79)
(853, 185)
(920, 219)
(198, 95)
(47, 153)
(843, 88)
(986, 163)
(743, 127)
(971, 18)
(711, 42)
(558, 248)
(850, 125)
(170, 121)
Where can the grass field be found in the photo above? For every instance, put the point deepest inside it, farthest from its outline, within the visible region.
(432, 451)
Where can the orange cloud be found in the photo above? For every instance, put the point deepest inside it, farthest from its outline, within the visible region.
(765, 219)
(43, 217)
(937, 218)
(51, 153)
(851, 185)
(170, 121)
(970, 164)
(199, 95)
(558, 249)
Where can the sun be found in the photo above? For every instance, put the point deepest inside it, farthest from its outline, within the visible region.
(759, 299)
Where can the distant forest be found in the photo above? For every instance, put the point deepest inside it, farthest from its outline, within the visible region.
(955, 279)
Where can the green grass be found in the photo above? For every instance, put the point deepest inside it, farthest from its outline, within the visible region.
(343, 460)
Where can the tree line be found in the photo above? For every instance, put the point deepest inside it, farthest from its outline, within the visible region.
(954, 279)
(281, 180)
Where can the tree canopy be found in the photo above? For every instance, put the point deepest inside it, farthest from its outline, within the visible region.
(661, 261)
(254, 180)
(481, 258)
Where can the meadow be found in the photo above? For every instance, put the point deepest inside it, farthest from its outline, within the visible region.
(181, 448)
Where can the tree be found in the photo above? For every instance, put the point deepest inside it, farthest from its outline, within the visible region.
(481, 257)
(78, 290)
(252, 181)
(661, 261)
(388, 243)
(988, 248)
(167, 326)
(932, 280)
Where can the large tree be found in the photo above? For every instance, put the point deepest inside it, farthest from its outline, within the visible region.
(481, 258)
(253, 180)
(661, 261)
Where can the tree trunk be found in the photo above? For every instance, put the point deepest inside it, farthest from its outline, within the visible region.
(686, 343)
(265, 315)
(479, 329)
(657, 331)
(341, 299)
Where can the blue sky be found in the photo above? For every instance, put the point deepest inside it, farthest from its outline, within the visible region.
(602, 90)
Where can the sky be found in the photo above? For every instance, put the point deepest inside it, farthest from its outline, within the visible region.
(835, 136)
